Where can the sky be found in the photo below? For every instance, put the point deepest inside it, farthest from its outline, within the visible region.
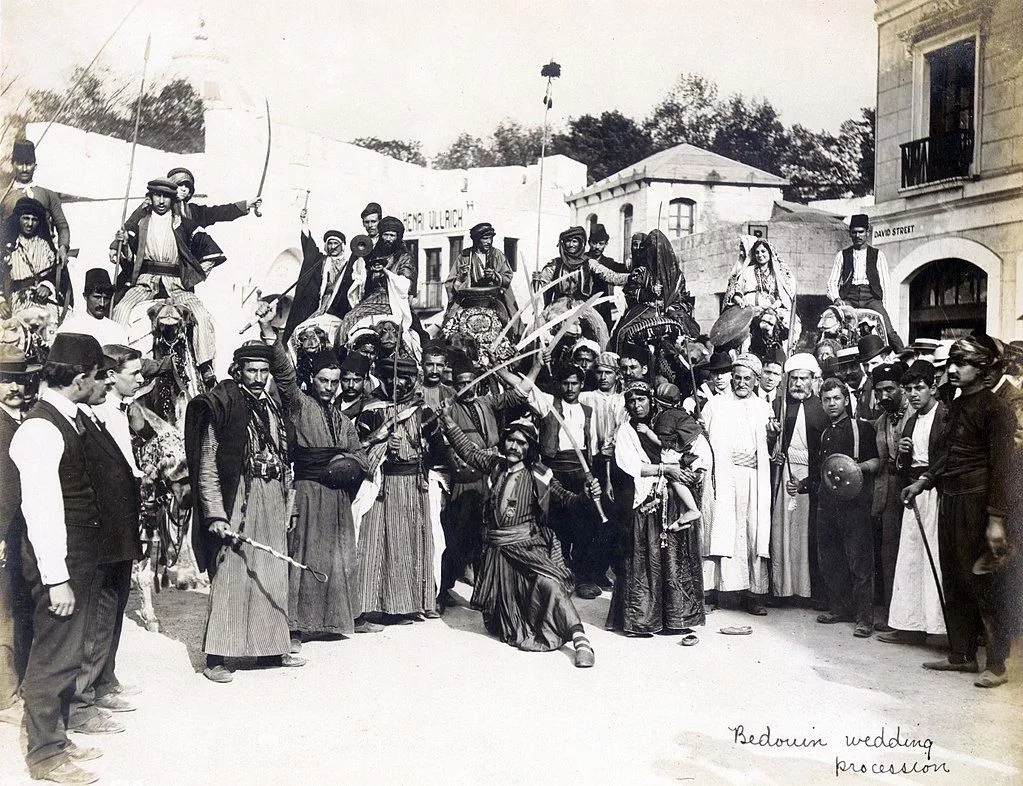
(431, 69)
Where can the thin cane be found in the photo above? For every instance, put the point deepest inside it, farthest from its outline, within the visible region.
(930, 559)
(320, 577)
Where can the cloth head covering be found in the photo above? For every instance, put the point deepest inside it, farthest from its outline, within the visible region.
(525, 427)
(481, 230)
(392, 224)
(803, 361)
(23, 152)
(668, 394)
(253, 350)
(598, 234)
(370, 209)
(363, 335)
(325, 358)
(566, 370)
(636, 387)
(180, 175)
(746, 245)
(607, 360)
(870, 346)
(97, 279)
(572, 232)
(920, 370)
(334, 233)
(578, 258)
(887, 372)
(460, 364)
(355, 362)
(586, 343)
(859, 221)
(27, 206)
(750, 361)
(76, 349)
(406, 367)
(162, 185)
(980, 351)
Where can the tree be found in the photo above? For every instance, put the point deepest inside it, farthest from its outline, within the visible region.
(816, 165)
(690, 113)
(172, 114)
(515, 144)
(466, 152)
(606, 144)
(857, 136)
(750, 131)
(410, 151)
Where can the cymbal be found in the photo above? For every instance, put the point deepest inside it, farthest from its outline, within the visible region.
(361, 245)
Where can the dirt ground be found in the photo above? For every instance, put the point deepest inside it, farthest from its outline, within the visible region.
(442, 702)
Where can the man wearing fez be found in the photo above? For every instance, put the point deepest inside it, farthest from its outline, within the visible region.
(972, 468)
(844, 539)
(15, 611)
(352, 385)
(887, 509)
(795, 570)
(739, 538)
(324, 278)
(396, 549)
(94, 319)
(859, 276)
(482, 266)
(330, 464)
(157, 260)
(237, 445)
(915, 608)
(606, 267)
(59, 504)
(23, 161)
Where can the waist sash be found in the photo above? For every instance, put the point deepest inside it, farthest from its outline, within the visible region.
(311, 462)
(509, 536)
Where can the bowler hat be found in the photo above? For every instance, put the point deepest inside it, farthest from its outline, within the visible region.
(870, 346)
(719, 361)
(97, 279)
(76, 349)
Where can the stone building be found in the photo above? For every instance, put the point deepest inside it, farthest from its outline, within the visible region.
(949, 168)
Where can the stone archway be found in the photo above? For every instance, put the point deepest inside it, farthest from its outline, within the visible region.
(946, 248)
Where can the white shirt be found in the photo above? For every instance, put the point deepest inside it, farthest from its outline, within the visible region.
(859, 275)
(110, 415)
(160, 243)
(104, 329)
(922, 438)
(573, 415)
(36, 450)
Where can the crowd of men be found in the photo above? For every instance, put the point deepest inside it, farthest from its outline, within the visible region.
(355, 466)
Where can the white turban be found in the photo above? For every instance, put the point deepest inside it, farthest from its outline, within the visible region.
(803, 361)
(750, 361)
(586, 343)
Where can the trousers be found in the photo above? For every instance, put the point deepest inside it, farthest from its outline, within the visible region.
(845, 546)
(108, 598)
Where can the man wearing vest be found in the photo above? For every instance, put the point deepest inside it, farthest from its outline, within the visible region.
(859, 277)
(576, 527)
(63, 523)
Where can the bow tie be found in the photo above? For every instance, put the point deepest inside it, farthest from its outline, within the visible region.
(125, 404)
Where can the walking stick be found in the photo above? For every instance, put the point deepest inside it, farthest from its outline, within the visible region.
(131, 160)
(930, 559)
(320, 577)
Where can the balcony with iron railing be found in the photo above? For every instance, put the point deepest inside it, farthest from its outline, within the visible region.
(429, 297)
(934, 159)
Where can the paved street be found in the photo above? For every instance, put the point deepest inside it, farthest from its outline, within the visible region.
(441, 702)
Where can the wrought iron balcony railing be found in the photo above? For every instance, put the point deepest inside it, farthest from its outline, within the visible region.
(936, 158)
(429, 297)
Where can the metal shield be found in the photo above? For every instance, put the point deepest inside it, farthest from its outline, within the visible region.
(841, 476)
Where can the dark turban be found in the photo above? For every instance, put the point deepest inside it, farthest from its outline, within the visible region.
(573, 232)
(253, 350)
(356, 363)
(887, 372)
(485, 229)
(392, 224)
(385, 367)
(980, 351)
(325, 358)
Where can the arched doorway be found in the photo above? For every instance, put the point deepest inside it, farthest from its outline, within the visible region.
(947, 298)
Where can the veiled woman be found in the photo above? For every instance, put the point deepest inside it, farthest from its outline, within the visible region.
(659, 580)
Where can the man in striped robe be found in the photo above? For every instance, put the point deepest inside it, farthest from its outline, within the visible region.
(237, 448)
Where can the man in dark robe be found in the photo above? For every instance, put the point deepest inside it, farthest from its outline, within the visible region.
(523, 589)
(604, 266)
(324, 280)
(481, 268)
(972, 469)
(237, 446)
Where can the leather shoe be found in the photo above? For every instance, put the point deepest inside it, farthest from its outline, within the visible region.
(97, 724)
(903, 637)
(967, 667)
(368, 627)
(431, 614)
(114, 703)
(68, 772)
(295, 645)
(290, 661)
(218, 673)
(830, 618)
(126, 690)
(82, 754)
(883, 627)
(863, 631)
(584, 657)
(588, 590)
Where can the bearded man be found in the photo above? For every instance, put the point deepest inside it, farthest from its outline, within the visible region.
(739, 539)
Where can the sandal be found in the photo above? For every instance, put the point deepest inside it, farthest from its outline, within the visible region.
(689, 640)
(737, 630)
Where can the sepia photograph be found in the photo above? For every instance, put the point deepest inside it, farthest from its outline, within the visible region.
(498, 392)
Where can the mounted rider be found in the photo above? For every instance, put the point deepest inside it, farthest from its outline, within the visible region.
(157, 253)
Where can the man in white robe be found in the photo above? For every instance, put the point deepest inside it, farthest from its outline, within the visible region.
(739, 539)
(916, 609)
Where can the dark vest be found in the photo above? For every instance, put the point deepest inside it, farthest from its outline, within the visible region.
(79, 498)
(550, 428)
(873, 278)
(117, 496)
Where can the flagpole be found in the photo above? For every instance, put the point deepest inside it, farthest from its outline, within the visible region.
(552, 70)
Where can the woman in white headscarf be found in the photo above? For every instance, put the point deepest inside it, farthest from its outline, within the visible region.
(762, 280)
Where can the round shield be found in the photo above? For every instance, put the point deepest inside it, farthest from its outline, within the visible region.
(361, 245)
(342, 473)
(733, 324)
(841, 476)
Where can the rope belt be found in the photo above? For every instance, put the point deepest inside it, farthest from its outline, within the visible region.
(742, 458)
(799, 456)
